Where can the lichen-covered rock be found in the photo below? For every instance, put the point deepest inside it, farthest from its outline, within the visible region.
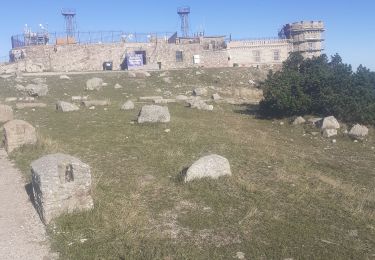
(6, 113)
(154, 114)
(358, 131)
(18, 133)
(66, 106)
(61, 184)
(128, 105)
(94, 84)
(34, 90)
(212, 166)
(330, 122)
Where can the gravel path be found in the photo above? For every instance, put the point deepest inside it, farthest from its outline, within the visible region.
(22, 235)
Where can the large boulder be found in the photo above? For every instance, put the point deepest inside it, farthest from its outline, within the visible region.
(212, 166)
(61, 184)
(66, 106)
(358, 131)
(6, 113)
(128, 105)
(34, 90)
(18, 133)
(94, 84)
(330, 122)
(154, 114)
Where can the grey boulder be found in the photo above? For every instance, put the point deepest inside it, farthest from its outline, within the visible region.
(154, 114)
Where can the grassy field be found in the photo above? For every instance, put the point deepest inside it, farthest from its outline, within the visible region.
(292, 195)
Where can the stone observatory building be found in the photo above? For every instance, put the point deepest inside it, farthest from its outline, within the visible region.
(119, 50)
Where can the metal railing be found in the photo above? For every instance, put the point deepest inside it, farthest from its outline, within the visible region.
(60, 38)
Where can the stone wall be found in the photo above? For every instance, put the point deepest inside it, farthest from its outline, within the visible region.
(90, 57)
(259, 52)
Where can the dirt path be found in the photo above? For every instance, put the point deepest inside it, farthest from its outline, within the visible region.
(22, 235)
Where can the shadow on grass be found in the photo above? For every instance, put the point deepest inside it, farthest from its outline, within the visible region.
(248, 109)
(180, 177)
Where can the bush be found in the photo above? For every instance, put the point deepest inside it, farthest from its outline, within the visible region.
(320, 86)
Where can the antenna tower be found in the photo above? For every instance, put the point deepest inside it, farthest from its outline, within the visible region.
(70, 21)
(184, 12)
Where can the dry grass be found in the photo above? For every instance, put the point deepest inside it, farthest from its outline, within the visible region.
(292, 194)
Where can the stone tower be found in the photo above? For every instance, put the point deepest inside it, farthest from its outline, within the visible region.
(306, 36)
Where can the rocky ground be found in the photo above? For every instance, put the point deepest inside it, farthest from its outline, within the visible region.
(22, 235)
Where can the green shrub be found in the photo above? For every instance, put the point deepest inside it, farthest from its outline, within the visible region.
(320, 86)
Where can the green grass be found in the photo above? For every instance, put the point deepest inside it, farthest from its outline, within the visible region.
(290, 196)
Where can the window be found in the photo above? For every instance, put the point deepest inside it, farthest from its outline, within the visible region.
(311, 46)
(276, 55)
(256, 55)
(179, 56)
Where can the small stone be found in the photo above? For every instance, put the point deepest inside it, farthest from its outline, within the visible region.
(65, 77)
(281, 123)
(117, 86)
(200, 92)
(167, 130)
(94, 84)
(92, 107)
(240, 255)
(66, 106)
(128, 105)
(299, 120)
(333, 141)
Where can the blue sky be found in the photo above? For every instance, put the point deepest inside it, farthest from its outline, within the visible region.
(350, 25)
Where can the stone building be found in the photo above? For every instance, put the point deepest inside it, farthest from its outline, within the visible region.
(173, 52)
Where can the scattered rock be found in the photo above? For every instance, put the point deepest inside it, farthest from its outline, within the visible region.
(65, 77)
(128, 105)
(61, 183)
(358, 131)
(18, 133)
(6, 113)
(199, 104)
(200, 92)
(212, 166)
(216, 97)
(66, 106)
(167, 130)
(36, 90)
(327, 132)
(198, 73)
(79, 98)
(167, 80)
(151, 98)
(131, 74)
(10, 99)
(19, 87)
(30, 105)
(117, 86)
(334, 141)
(330, 122)
(299, 120)
(181, 98)
(92, 107)
(164, 101)
(94, 84)
(104, 84)
(241, 255)
(164, 74)
(39, 81)
(154, 114)
(89, 103)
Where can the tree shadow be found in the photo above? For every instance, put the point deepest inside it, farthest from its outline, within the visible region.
(248, 109)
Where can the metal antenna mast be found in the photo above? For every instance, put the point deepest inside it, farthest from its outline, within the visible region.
(70, 22)
(184, 12)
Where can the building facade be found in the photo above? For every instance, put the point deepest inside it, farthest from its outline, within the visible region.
(173, 52)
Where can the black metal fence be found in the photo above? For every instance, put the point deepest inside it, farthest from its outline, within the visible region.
(60, 38)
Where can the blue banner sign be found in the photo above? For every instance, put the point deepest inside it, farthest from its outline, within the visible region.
(134, 60)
